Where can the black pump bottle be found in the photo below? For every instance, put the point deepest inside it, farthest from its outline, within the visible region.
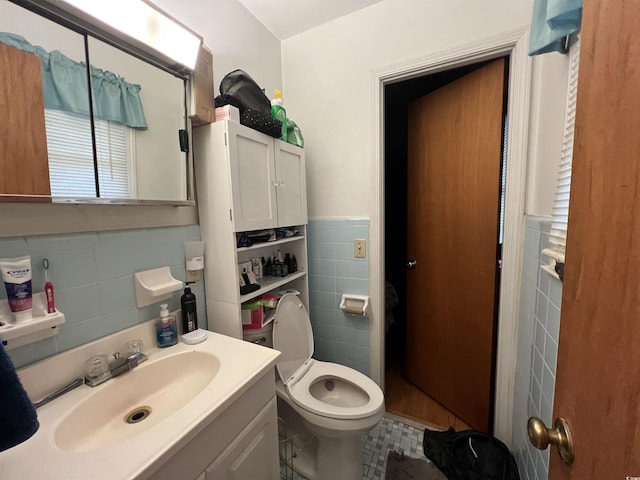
(188, 307)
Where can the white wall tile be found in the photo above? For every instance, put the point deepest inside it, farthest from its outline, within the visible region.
(338, 337)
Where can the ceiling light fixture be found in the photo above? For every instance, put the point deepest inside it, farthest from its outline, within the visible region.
(146, 23)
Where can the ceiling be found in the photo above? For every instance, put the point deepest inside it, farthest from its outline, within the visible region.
(286, 18)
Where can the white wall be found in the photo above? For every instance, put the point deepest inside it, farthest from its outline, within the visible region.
(546, 129)
(328, 85)
(236, 38)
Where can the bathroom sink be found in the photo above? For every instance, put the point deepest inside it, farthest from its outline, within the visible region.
(133, 402)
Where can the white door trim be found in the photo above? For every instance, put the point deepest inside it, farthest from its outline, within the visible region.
(513, 43)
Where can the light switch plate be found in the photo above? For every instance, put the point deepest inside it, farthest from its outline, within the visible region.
(360, 248)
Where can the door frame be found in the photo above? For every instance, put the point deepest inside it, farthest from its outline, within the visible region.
(513, 43)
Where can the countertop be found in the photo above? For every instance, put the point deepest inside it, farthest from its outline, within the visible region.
(241, 365)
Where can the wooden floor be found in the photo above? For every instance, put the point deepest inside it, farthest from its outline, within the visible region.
(404, 399)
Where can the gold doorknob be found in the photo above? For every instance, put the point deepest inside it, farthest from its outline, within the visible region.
(560, 436)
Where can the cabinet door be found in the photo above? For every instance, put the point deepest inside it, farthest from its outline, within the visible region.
(253, 454)
(292, 184)
(253, 187)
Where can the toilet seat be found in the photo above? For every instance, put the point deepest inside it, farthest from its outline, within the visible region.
(293, 336)
(299, 391)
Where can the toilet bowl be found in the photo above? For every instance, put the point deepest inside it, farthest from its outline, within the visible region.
(327, 407)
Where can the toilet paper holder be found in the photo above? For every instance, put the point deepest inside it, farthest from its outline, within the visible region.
(355, 304)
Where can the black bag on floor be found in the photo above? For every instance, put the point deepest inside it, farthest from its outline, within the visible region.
(237, 88)
(469, 455)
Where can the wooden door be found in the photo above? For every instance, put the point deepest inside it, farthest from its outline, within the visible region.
(454, 153)
(598, 375)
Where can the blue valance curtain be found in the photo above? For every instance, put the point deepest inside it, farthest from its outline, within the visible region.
(64, 83)
(551, 22)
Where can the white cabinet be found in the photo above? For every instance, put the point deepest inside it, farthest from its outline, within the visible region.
(292, 184)
(266, 175)
(247, 181)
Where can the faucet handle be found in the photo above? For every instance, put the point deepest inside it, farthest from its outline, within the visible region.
(96, 366)
(133, 346)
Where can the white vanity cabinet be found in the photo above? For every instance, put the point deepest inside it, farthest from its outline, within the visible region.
(247, 181)
(252, 453)
(242, 443)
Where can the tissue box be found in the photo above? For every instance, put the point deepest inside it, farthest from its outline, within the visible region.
(252, 315)
(228, 112)
(258, 313)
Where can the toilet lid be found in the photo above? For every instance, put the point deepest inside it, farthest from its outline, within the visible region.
(292, 335)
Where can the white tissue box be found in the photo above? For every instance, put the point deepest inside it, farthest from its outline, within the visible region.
(228, 112)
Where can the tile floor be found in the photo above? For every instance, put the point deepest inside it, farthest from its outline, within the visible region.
(392, 433)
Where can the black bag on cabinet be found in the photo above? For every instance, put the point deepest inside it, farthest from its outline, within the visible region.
(237, 88)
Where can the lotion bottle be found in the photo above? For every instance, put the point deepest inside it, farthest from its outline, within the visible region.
(166, 329)
(188, 307)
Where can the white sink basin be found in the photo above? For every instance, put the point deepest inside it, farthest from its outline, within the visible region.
(84, 435)
(131, 403)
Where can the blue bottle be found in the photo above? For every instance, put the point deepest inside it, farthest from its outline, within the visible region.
(166, 328)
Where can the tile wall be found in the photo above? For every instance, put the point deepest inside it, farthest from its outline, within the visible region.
(537, 350)
(92, 275)
(333, 270)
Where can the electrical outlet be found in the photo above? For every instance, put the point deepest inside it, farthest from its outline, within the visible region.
(360, 248)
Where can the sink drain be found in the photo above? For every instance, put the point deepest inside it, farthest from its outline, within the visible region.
(137, 415)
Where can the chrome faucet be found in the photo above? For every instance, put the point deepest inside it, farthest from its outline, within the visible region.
(99, 371)
(121, 364)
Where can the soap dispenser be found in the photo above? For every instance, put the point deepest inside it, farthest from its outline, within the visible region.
(166, 328)
(188, 306)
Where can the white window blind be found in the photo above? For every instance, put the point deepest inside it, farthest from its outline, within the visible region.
(113, 159)
(558, 235)
(71, 169)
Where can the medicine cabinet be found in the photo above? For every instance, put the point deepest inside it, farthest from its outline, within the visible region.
(68, 142)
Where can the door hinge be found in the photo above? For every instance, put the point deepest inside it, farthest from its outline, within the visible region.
(225, 139)
(230, 216)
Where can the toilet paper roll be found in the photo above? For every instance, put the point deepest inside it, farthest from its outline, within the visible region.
(353, 310)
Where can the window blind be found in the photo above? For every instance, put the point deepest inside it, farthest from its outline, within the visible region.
(560, 214)
(71, 169)
(113, 164)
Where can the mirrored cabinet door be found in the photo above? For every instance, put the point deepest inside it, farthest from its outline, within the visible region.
(110, 134)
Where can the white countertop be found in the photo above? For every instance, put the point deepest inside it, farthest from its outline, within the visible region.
(241, 365)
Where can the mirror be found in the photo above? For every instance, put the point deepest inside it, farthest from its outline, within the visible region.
(137, 109)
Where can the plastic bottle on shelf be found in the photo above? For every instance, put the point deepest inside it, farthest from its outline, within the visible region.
(189, 314)
(279, 113)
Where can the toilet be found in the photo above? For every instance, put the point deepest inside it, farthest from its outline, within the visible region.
(325, 407)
